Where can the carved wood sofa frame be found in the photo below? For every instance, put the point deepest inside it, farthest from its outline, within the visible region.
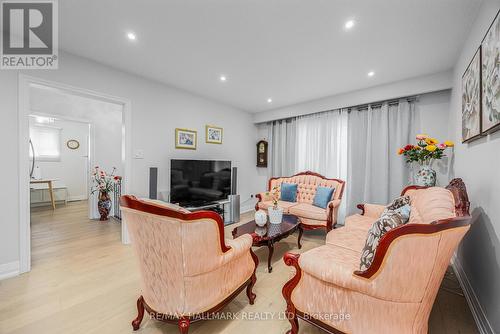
(184, 322)
(463, 218)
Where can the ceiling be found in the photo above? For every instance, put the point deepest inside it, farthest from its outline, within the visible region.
(288, 50)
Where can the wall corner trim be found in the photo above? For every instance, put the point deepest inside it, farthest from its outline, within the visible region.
(483, 325)
(9, 269)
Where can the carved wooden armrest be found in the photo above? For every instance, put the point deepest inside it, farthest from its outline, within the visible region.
(291, 260)
(371, 210)
(261, 197)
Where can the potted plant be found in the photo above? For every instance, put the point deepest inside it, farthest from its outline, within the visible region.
(104, 183)
(275, 212)
(424, 153)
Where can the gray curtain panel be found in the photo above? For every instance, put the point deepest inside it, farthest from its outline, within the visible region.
(375, 173)
(282, 147)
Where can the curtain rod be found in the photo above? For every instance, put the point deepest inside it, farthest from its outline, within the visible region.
(376, 104)
(395, 101)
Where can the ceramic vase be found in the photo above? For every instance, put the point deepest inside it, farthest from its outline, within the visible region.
(104, 205)
(260, 218)
(425, 176)
(275, 215)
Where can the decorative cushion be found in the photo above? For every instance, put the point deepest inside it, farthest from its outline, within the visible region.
(396, 214)
(289, 192)
(323, 196)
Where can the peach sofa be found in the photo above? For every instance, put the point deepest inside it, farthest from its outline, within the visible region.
(396, 293)
(188, 270)
(311, 217)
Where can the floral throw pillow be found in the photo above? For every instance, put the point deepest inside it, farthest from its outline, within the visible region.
(396, 214)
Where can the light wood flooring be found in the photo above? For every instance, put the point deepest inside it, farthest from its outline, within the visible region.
(83, 280)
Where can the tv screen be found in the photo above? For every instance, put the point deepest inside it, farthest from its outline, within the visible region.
(199, 182)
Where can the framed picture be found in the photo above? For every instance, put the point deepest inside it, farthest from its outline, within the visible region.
(490, 72)
(471, 99)
(213, 134)
(185, 139)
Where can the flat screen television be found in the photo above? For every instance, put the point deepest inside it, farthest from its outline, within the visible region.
(199, 182)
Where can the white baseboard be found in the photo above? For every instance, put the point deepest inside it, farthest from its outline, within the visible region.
(483, 325)
(9, 269)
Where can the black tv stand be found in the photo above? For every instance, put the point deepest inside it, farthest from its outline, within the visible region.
(217, 206)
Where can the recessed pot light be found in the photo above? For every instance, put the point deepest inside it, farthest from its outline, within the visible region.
(349, 24)
(371, 74)
(223, 78)
(131, 36)
(269, 100)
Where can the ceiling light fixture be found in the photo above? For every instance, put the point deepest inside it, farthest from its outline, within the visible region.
(371, 74)
(131, 36)
(223, 78)
(349, 24)
(269, 100)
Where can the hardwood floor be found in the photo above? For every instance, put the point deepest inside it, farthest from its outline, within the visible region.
(84, 280)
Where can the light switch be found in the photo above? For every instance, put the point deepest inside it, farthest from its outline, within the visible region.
(139, 154)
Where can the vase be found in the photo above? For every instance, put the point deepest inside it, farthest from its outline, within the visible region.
(260, 218)
(104, 205)
(425, 176)
(275, 215)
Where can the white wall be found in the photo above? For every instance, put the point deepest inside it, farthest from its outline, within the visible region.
(71, 170)
(157, 110)
(478, 164)
(413, 86)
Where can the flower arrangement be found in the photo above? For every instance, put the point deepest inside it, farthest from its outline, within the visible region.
(275, 196)
(425, 151)
(104, 182)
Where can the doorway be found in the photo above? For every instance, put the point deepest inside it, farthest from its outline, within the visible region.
(72, 131)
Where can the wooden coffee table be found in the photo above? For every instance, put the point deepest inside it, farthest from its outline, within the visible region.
(269, 234)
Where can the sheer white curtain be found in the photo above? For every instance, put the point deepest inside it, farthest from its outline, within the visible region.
(376, 174)
(322, 146)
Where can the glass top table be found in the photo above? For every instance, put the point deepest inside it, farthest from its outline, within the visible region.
(269, 234)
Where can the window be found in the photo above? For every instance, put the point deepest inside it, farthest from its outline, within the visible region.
(46, 142)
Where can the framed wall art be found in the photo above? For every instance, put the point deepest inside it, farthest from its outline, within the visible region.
(213, 134)
(490, 77)
(185, 139)
(471, 99)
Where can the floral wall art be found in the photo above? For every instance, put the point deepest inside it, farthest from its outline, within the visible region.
(471, 99)
(491, 78)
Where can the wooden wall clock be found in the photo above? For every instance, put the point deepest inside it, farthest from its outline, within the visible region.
(262, 153)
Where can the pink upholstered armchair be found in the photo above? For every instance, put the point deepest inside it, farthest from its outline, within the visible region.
(188, 270)
(396, 293)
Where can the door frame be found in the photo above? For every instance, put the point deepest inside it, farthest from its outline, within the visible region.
(90, 154)
(24, 111)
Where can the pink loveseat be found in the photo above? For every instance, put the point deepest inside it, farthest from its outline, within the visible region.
(311, 217)
(188, 270)
(396, 293)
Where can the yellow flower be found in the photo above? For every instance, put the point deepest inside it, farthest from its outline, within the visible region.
(431, 148)
(431, 141)
(449, 143)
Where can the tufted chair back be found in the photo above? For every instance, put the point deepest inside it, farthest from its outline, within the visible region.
(307, 182)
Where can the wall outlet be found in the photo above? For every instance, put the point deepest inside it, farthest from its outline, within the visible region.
(139, 154)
